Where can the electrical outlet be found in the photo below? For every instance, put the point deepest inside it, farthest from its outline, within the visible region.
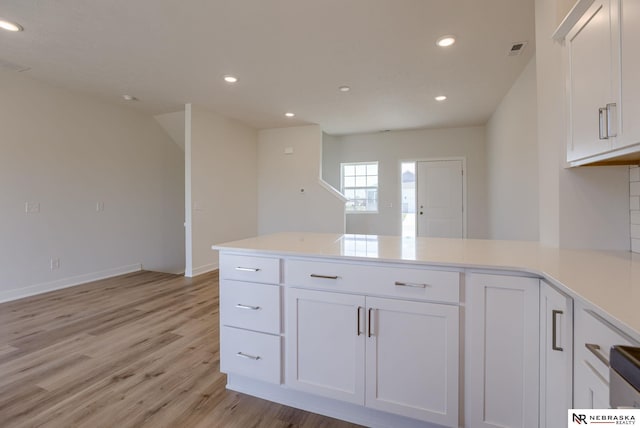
(55, 263)
(32, 207)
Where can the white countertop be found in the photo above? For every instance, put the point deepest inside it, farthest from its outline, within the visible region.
(608, 280)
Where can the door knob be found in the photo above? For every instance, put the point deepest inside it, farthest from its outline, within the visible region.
(420, 212)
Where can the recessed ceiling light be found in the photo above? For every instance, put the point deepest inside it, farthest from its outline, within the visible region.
(10, 26)
(445, 41)
(129, 98)
(289, 114)
(344, 88)
(230, 79)
(440, 98)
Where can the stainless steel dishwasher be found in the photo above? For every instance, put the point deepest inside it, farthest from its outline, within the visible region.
(624, 377)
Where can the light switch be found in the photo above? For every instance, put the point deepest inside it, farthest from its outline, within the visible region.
(99, 206)
(288, 150)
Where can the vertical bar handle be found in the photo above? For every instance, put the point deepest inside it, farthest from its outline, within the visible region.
(554, 332)
(369, 321)
(358, 323)
(603, 126)
(611, 119)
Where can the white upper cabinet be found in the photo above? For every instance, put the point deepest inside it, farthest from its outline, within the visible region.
(630, 71)
(602, 90)
(592, 82)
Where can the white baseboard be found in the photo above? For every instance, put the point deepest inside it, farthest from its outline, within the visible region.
(31, 290)
(203, 269)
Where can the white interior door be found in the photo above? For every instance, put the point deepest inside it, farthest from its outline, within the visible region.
(440, 199)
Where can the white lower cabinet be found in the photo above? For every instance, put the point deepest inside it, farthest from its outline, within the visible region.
(324, 352)
(250, 354)
(594, 337)
(388, 354)
(556, 356)
(412, 360)
(250, 321)
(501, 351)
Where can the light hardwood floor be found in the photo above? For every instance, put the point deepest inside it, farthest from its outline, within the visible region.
(139, 350)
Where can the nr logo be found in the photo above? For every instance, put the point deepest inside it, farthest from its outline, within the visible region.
(579, 419)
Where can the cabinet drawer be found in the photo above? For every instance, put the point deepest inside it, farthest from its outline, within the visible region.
(392, 281)
(250, 305)
(251, 354)
(600, 337)
(250, 268)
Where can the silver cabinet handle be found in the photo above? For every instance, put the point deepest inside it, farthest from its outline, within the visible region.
(253, 308)
(369, 322)
(603, 126)
(595, 350)
(247, 269)
(611, 119)
(315, 275)
(554, 328)
(247, 356)
(411, 284)
(358, 323)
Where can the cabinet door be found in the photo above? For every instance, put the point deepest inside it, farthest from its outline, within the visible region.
(556, 356)
(502, 351)
(630, 70)
(592, 82)
(591, 389)
(412, 359)
(325, 344)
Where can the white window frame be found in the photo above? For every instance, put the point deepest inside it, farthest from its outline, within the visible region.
(377, 187)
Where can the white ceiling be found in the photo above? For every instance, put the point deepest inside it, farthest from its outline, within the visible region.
(290, 55)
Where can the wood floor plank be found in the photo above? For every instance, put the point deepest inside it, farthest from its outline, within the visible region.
(138, 350)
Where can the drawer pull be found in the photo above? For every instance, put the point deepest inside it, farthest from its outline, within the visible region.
(247, 356)
(253, 308)
(247, 269)
(554, 330)
(595, 350)
(411, 284)
(314, 275)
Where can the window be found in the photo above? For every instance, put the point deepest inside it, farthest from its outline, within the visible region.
(360, 186)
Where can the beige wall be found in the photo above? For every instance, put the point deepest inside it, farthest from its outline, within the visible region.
(291, 197)
(389, 149)
(68, 152)
(512, 167)
(221, 185)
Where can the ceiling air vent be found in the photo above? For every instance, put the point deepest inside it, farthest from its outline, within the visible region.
(517, 48)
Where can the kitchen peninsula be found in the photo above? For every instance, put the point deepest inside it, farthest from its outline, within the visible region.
(391, 331)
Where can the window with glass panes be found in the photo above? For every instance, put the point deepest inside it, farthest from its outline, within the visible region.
(360, 186)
